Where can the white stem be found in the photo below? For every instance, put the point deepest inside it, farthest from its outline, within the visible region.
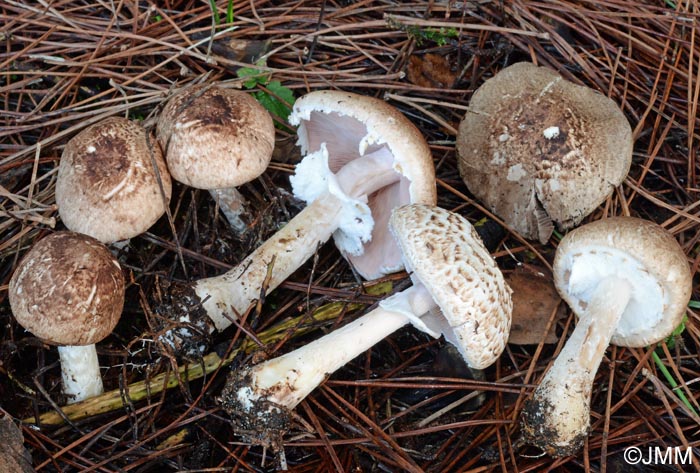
(368, 174)
(229, 295)
(120, 245)
(557, 418)
(288, 379)
(232, 204)
(80, 371)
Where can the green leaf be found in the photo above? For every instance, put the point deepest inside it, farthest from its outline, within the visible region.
(229, 12)
(286, 96)
(278, 101)
(671, 339)
(253, 76)
(272, 105)
(214, 12)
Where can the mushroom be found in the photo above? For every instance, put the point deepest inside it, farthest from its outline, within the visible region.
(107, 186)
(629, 283)
(363, 158)
(539, 150)
(451, 270)
(216, 139)
(68, 290)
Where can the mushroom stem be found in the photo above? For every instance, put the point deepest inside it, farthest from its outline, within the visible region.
(80, 371)
(227, 296)
(232, 204)
(288, 379)
(556, 419)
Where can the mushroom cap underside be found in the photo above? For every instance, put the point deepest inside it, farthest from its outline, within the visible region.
(538, 149)
(638, 251)
(446, 255)
(107, 186)
(351, 126)
(68, 290)
(215, 138)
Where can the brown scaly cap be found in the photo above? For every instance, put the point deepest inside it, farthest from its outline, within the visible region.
(107, 187)
(538, 150)
(68, 290)
(446, 255)
(215, 138)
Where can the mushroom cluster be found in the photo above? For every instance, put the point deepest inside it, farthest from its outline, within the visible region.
(362, 159)
(537, 150)
(68, 290)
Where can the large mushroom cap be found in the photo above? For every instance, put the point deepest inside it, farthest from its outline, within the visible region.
(446, 255)
(68, 290)
(538, 149)
(214, 138)
(107, 187)
(638, 251)
(351, 126)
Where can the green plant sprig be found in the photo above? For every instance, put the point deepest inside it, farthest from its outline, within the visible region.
(138, 391)
(440, 36)
(215, 12)
(275, 97)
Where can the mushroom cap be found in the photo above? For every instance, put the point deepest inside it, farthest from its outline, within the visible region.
(538, 149)
(106, 186)
(350, 126)
(215, 138)
(446, 255)
(68, 290)
(638, 251)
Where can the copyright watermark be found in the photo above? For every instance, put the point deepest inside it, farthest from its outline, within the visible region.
(658, 456)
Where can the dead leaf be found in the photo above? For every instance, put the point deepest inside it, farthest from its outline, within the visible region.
(13, 456)
(534, 299)
(431, 70)
(248, 51)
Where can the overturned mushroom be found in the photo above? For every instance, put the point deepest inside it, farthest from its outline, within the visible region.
(363, 158)
(107, 185)
(539, 150)
(216, 139)
(629, 283)
(68, 290)
(451, 270)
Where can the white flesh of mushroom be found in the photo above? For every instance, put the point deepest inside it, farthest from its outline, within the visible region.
(457, 291)
(288, 379)
(565, 391)
(80, 371)
(340, 205)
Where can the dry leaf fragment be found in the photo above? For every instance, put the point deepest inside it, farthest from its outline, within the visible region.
(534, 299)
(13, 456)
(431, 70)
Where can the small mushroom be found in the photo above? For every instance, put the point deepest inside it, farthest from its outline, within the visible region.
(216, 139)
(629, 283)
(68, 290)
(539, 150)
(451, 270)
(363, 158)
(107, 186)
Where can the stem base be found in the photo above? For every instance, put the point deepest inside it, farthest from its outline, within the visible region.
(259, 421)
